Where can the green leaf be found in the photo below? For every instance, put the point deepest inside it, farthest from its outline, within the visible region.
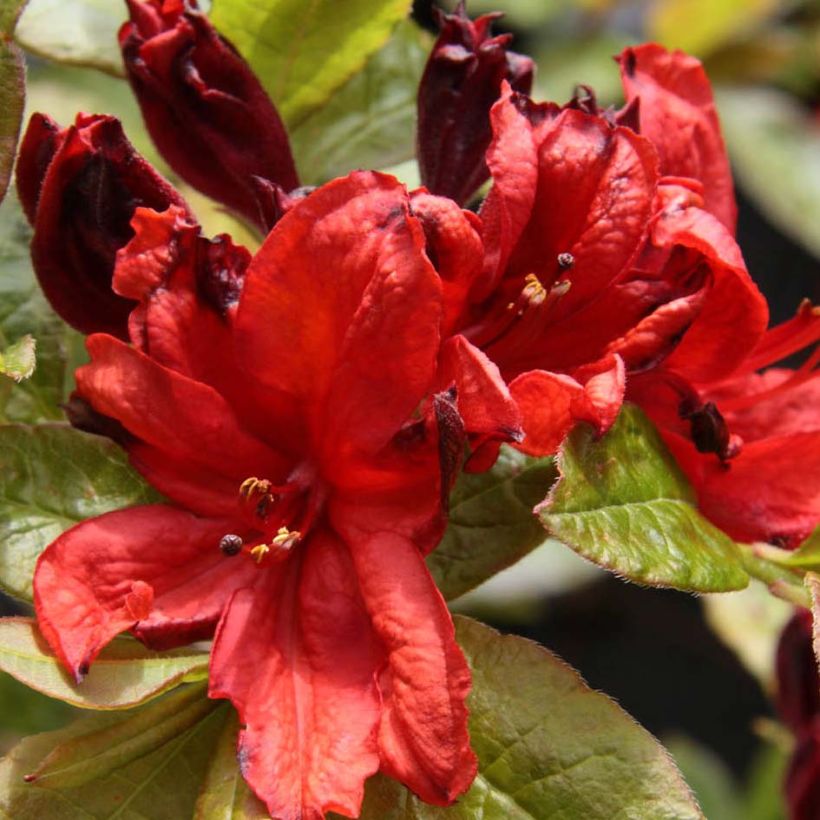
(370, 122)
(141, 764)
(12, 89)
(24, 311)
(124, 674)
(623, 503)
(491, 523)
(51, 477)
(224, 794)
(775, 149)
(302, 52)
(17, 361)
(26, 712)
(548, 747)
(74, 32)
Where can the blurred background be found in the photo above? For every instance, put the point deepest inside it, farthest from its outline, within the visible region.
(696, 672)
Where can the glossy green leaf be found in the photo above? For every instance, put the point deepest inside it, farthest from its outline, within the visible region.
(51, 477)
(12, 89)
(24, 311)
(74, 32)
(491, 523)
(623, 503)
(142, 764)
(17, 361)
(775, 149)
(124, 674)
(370, 122)
(224, 794)
(702, 26)
(548, 747)
(303, 52)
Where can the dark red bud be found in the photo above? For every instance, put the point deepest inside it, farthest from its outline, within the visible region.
(451, 440)
(802, 785)
(204, 107)
(79, 187)
(798, 682)
(461, 82)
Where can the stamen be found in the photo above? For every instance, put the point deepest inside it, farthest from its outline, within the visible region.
(259, 552)
(534, 293)
(283, 542)
(231, 544)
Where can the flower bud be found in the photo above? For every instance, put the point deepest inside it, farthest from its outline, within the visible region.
(204, 107)
(79, 187)
(461, 82)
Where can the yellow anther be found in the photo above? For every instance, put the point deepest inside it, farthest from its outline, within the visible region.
(259, 552)
(534, 292)
(285, 538)
(252, 486)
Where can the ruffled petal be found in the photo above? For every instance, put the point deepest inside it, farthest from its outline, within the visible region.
(552, 403)
(677, 113)
(295, 655)
(356, 308)
(155, 570)
(423, 740)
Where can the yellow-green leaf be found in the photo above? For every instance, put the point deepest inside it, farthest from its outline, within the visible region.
(623, 503)
(302, 52)
(12, 89)
(125, 674)
(17, 361)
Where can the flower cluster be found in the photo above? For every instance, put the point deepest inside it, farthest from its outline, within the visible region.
(305, 410)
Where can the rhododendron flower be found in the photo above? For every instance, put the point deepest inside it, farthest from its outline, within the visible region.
(461, 81)
(79, 187)
(305, 421)
(798, 702)
(205, 109)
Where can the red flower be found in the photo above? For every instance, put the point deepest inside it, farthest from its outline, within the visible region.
(461, 82)
(305, 436)
(205, 109)
(79, 187)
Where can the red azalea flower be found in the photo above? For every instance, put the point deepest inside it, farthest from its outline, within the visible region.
(798, 702)
(205, 109)
(305, 436)
(79, 187)
(461, 81)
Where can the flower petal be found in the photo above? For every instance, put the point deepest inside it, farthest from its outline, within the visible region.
(186, 418)
(552, 403)
(423, 740)
(156, 570)
(356, 308)
(677, 113)
(295, 655)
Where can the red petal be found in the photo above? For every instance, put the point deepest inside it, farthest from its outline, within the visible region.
(423, 738)
(513, 161)
(734, 314)
(677, 113)
(483, 400)
(184, 417)
(296, 656)
(154, 569)
(552, 403)
(356, 308)
(595, 190)
(771, 490)
(454, 247)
